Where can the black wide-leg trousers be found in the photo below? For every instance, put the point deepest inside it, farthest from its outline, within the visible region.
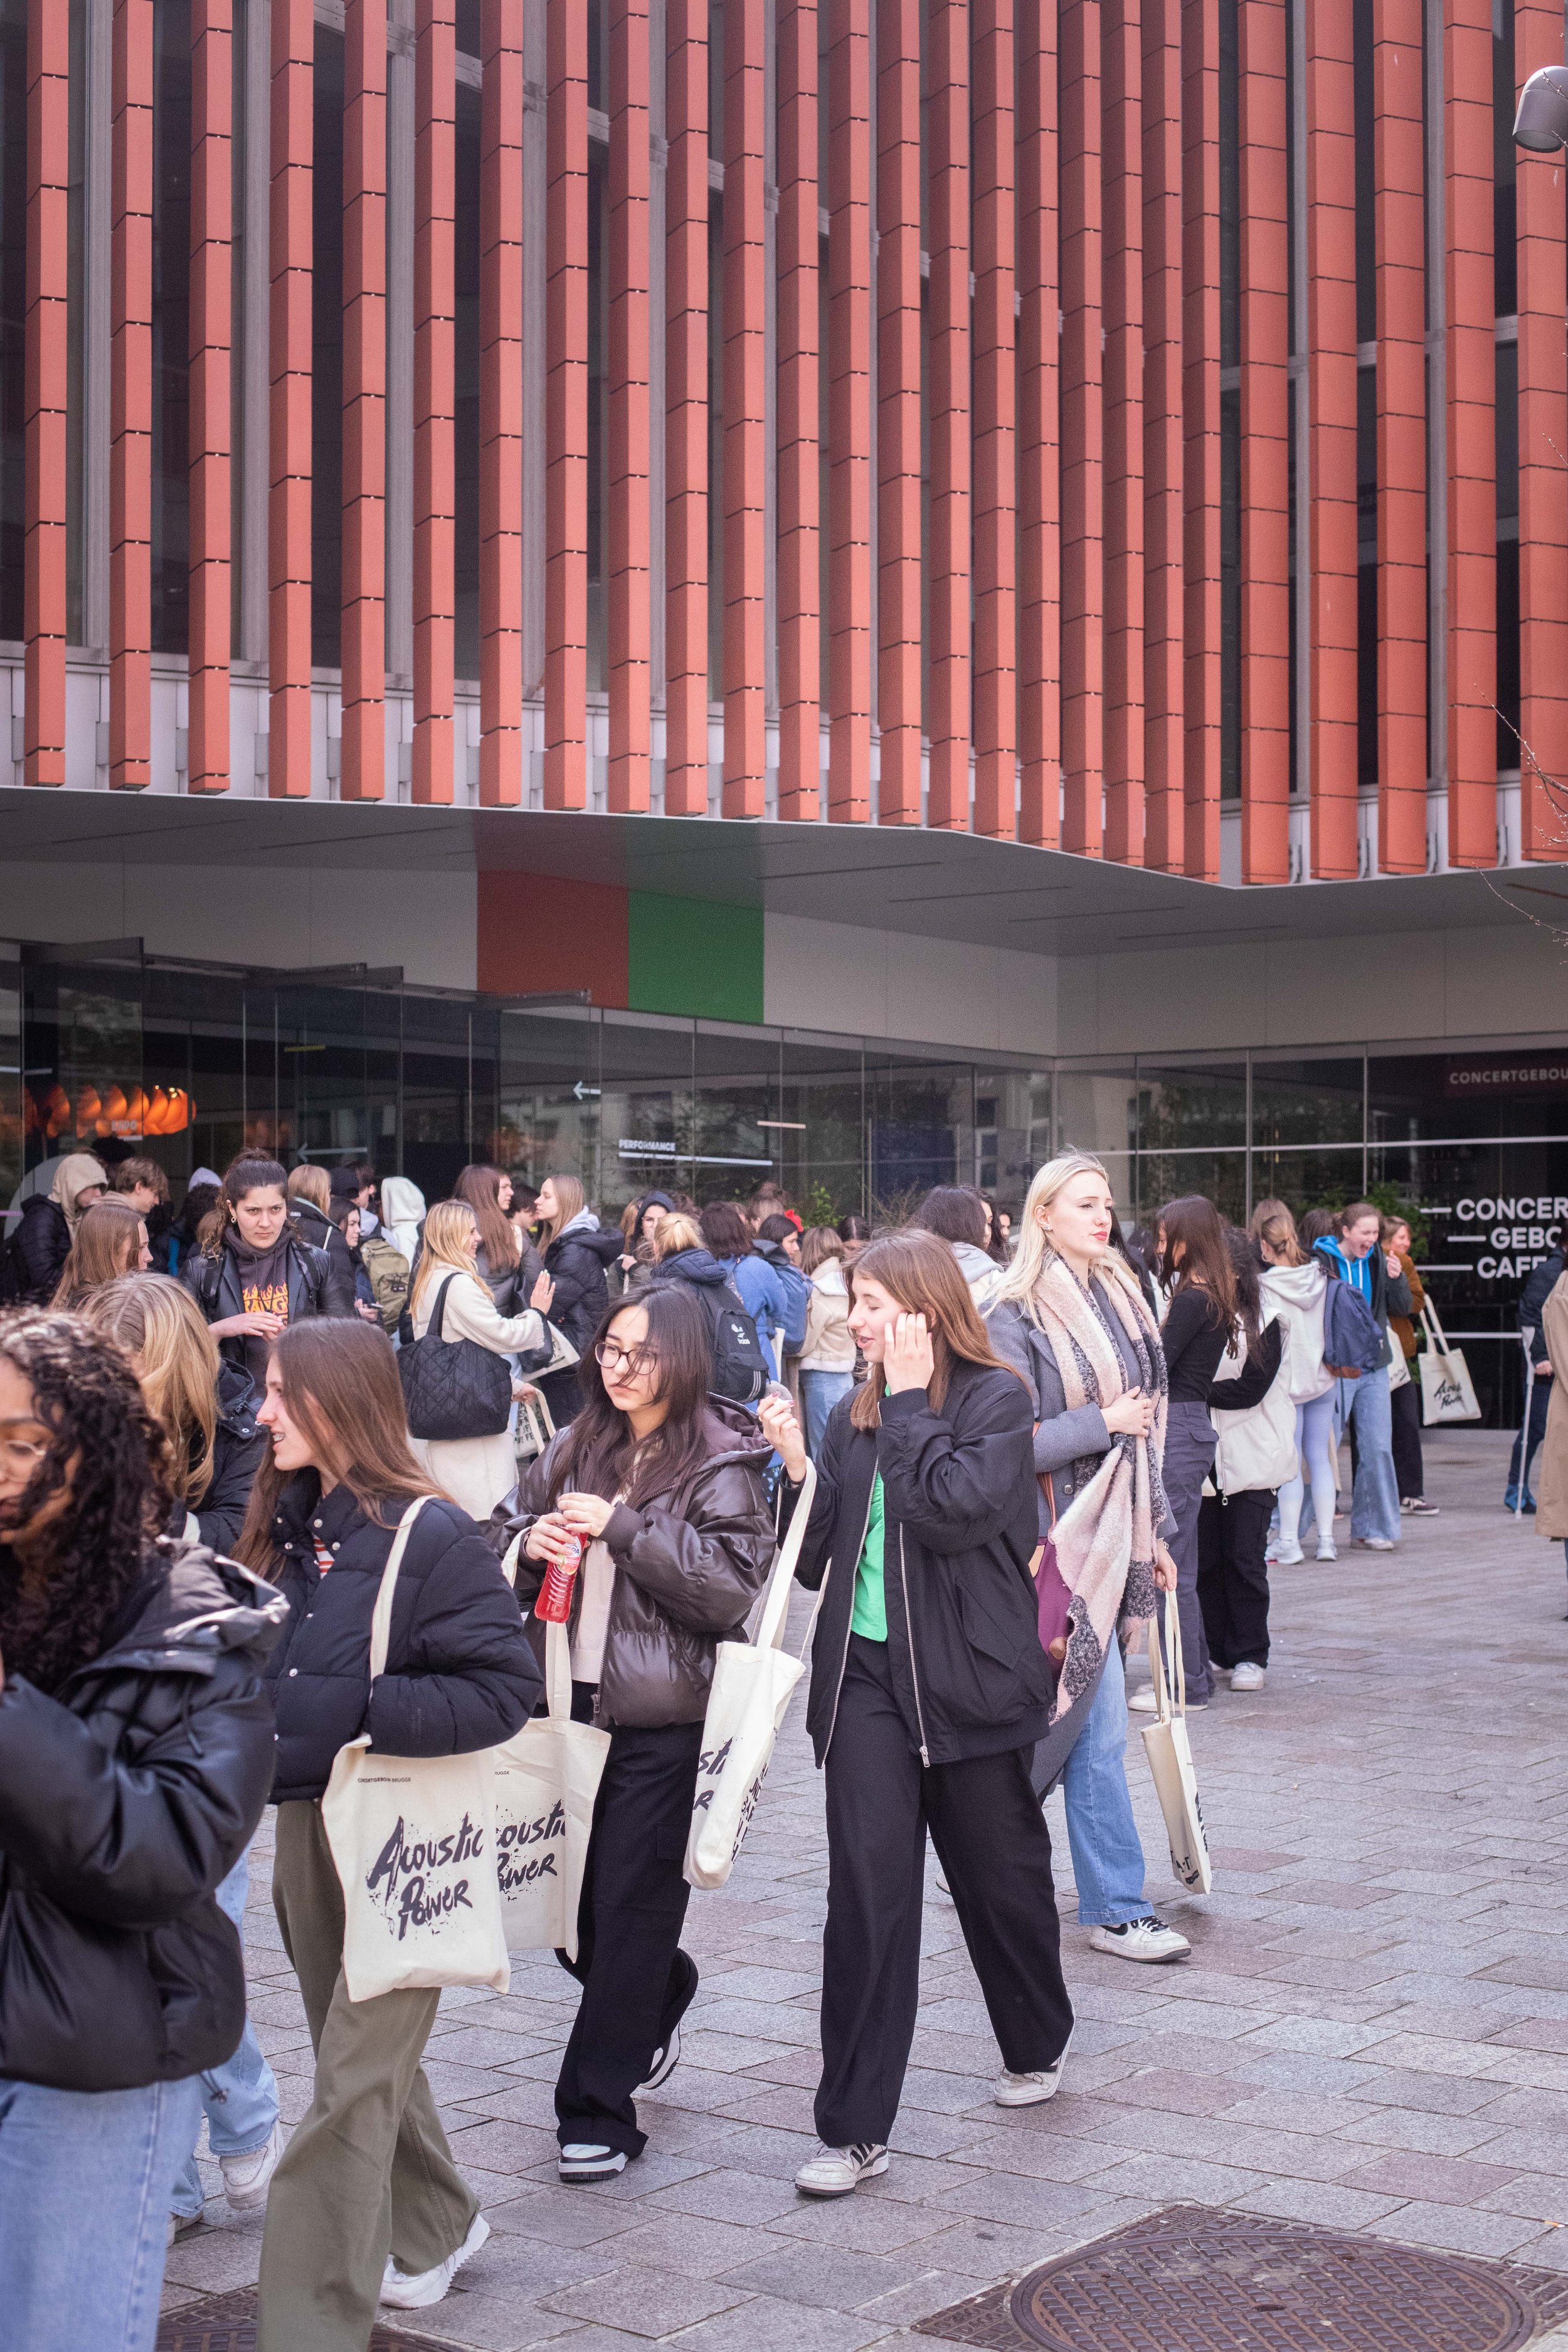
(996, 1853)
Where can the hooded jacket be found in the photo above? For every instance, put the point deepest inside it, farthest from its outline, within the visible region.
(1384, 1293)
(1298, 1294)
(322, 1235)
(690, 1565)
(125, 1799)
(576, 1262)
(960, 1528)
(762, 1295)
(796, 1289)
(982, 1273)
(215, 1284)
(829, 1343)
(402, 1213)
(1253, 1413)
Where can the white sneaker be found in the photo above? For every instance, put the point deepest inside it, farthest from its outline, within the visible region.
(246, 2178)
(836, 2171)
(1148, 1939)
(417, 2292)
(1374, 1543)
(1144, 1702)
(1248, 1677)
(1011, 2090)
(665, 2062)
(1288, 1556)
(590, 2160)
(1327, 1551)
(181, 2224)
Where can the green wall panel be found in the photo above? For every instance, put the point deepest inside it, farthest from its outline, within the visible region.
(690, 955)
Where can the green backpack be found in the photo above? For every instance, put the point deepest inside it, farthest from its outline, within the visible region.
(388, 1271)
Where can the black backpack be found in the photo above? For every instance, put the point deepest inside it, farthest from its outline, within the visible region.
(453, 1388)
(739, 1368)
(16, 1286)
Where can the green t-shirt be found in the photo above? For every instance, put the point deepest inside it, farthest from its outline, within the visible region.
(869, 1618)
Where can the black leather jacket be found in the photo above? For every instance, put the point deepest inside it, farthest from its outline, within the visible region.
(215, 1284)
(124, 1800)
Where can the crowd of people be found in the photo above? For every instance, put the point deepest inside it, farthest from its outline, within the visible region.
(310, 1423)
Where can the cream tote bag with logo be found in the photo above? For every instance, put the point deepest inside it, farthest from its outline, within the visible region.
(412, 1838)
(1446, 1391)
(753, 1683)
(1170, 1761)
(546, 1778)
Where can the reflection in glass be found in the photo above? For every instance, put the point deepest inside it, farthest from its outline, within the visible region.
(1097, 1109)
(1185, 1104)
(1299, 1102)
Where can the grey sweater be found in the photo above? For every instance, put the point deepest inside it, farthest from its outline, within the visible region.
(1069, 1443)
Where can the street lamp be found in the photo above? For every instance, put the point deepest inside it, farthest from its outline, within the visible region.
(1541, 122)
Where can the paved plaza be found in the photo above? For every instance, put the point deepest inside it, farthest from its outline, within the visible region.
(1371, 2033)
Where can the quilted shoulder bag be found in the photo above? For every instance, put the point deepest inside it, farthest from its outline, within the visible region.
(453, 1388)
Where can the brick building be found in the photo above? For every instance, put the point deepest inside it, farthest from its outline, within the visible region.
(835, 539)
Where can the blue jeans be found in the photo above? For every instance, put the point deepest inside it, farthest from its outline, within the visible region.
(241, 2096)
(1107, 1856)
(85, 2182)
(820, 1392)
(1375, 1500)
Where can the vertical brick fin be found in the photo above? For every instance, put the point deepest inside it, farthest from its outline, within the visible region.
(1200, 433)
(290, 368)
(995, 444)
(947, 401)
(849, 409)
(1122, 185)
(746, 665)
(1083, 529)
(1039, 428)
(48, 156)
(363, 774)
(435, 332)
(630, 628)
(1331, 434)
(1469, 244)
(1163, 575)
(898, 338)
(131, 404)
(1264, 653)
(1399, 182)
(1542, 450)
(211, 202)
(566, 414)
(799, 426)
(686, 405)
(501, 405)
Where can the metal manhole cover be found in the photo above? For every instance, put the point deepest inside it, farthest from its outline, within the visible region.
(1207, 2281)
(227, 2323)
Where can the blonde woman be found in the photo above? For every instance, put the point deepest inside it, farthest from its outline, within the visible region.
(1295, 1283)
(576, 1257)
(1071, 1318)
(477, 1472)
(828, 1358)
(310, 1198)
(110, 1240)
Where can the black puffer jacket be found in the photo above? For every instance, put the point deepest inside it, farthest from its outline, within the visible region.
(459, 1672)
(575, 1263)
(215, 1284)
(960, 1529)
(690, 1565)
(42, 1243)
(239, 1448)
(322, 1235)
(124, 1800)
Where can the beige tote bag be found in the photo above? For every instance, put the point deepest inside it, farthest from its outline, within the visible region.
(413, 1840)
(546, 1778)
(1446, 1391)
(1170, 1758)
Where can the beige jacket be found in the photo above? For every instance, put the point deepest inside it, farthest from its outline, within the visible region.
(828, 1347)
(1551, 1477)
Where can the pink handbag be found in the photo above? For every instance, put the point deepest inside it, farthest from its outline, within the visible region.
(1052, 1590)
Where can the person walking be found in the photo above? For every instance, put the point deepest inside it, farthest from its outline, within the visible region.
(1195, 1272)
(929, 1690)
(1353, 1253)
(478, 1472)
(110, 1240)
(1072, 1319)
(37, 1251)
(757, 1281)
(576, 1255)
(366, 2204)
(1403, 1382)
(663, 1487)
(1294, 1286)
(136, 1748)
(957, 1213)
(1255, 1452)
(251, 1274)
(827, 1353)
(310, 1196)
(1542, 1281)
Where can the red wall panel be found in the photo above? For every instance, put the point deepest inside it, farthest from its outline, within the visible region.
(434, 393)
(947, 402)
(685, 409)
(1163, 602)
(212, 88)
(849, 409)
(48, 287)
(1039, 428)
(1264, 652)
(1399, 180)
(566, 414)
(798, 396)
(1122, 182)
(628, 521)
(501, 405)
(745, 412)
(1332, 432)
(131, 404)
(1082, 362)
(1200, 433)
(1542, 448)
(290, 258)
(1471, 432)
(899, 334)
(996, 460)
(364, 767)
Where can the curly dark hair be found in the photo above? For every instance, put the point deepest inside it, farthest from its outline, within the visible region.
(61, 1592)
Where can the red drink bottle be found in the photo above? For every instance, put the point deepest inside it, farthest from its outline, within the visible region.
(554, 1601)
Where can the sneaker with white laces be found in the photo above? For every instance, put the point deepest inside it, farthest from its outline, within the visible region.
(1288, 1556)
(1248, 1677)
(1011, 2090)
(246, 2178)
(1148, 1939)
(665, 2062)
(582, 2161)
(1327, 1551)
(836, 2171)
(417, 2290)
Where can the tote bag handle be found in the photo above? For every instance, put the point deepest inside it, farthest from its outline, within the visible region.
(557, 1647)
(381, 1617)
(1163, 1706)
(775, 1607)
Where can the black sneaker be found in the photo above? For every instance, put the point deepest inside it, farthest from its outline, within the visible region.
(665, 2062)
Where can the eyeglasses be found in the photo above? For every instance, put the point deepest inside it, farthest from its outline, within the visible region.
(611, 1355)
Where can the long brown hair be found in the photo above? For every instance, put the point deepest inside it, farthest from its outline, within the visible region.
(1271, 1221)
(480, 1186)
(157, 1322)
(1195, 1225)
(921, 1273)
(108, 1243)
(340, 1383)
(599, 1454)
(569, 1193)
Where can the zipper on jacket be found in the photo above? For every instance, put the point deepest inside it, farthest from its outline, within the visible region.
(844, 1661)
(910, 1631)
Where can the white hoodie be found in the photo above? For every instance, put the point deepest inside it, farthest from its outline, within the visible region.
(1256, 1448)
(402, 1213)
(1297, 1293)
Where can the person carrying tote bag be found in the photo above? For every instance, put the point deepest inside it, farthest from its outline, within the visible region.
(457, 1382)
(659, 1488)
(367, 2205)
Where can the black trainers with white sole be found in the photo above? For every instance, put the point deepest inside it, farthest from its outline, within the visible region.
(665, 2062)
(582, 2161)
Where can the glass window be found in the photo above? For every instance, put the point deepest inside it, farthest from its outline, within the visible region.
(1183, 1104)
(549, 1090)
(1096, 1107)
(1305, 1102)
(13, 312)
(1163, 1176)
(735, 1099)
(1012, 1132)
(327, 358)
(645, 1114)
(1322, 1178)
(819, 1147)
(1488, 1092)
(171, 326)
(466, 405)
(919, 1130)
